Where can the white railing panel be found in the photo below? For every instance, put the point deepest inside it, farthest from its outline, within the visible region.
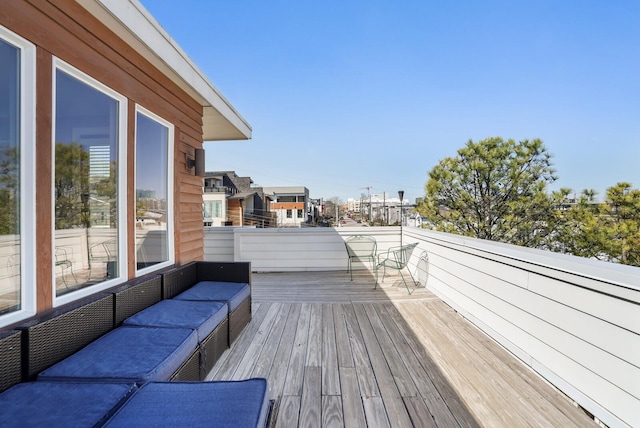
(574, 329)
(218, 244)
(306, 249)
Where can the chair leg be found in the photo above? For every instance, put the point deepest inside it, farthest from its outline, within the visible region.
(405, 282)
(375, 271)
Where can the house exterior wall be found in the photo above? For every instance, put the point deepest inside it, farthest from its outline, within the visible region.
(65, 30)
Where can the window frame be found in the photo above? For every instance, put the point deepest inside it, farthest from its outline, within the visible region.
(121, 180)
(27, 177)
(170, 187)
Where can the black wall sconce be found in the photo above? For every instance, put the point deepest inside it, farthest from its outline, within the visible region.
(197, 161)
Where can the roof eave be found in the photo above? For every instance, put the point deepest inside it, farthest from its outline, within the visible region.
(135, 25)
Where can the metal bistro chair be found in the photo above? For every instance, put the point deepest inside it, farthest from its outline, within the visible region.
(360, 247)
(396, 258)
(64, 263)
(104, 253)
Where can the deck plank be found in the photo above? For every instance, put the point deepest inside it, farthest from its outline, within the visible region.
(396, 411)
(269, 347)
(295, 373)
(339, 353)
(351, 399)
(330, 374)
(364, 371)
(332, 411)
(288, 411)
(278, 373)
(311, 403)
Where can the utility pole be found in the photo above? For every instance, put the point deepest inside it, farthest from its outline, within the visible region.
(369, 197)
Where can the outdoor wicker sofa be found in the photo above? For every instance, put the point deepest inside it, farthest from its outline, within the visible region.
(117, 343)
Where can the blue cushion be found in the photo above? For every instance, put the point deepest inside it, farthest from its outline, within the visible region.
(128, 354)
(61, 404)
(203, 317)
(233, 293)
(196, 404)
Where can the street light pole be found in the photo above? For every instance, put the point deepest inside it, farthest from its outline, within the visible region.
(401, 196)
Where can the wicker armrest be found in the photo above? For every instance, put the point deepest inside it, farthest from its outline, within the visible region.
(224, 271)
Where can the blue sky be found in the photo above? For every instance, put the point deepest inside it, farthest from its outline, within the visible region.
(344, 95)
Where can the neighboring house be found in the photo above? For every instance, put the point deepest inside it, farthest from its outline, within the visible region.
(107, 115)
(215, 200)
(231, 200)
(292, 205)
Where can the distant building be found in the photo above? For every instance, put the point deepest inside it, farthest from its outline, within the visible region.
(381, 208)
(291, 205)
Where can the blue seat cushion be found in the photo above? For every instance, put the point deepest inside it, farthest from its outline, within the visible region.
(234, 293)
(242, 403)
(61, 404)
(203, 317)
(128, 354)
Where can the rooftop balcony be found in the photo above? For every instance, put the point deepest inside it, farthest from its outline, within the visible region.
(500, 335)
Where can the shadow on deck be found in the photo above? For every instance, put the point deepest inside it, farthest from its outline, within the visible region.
(339, 353)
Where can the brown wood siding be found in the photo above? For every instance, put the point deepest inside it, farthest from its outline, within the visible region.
(287, 206)
(234, 212)
(44, 258)
(67, 31)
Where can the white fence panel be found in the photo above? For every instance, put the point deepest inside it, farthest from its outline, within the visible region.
(218, 244)
(571, 324)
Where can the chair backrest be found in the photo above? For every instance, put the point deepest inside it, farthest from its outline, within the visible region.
(105, 251)
(422, 269)
(361, 246)
(402, 255)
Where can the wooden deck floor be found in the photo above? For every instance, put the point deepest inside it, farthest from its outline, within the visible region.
(339, 353)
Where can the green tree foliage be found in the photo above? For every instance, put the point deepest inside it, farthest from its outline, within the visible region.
(82, 201)
(622, 222)
(9, 211)
(580, 232)
(608, 231)
(494, 189)
(71, 186)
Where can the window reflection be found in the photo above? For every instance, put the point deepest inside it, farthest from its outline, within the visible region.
(10, 239)
(85, 185)
(152, 178)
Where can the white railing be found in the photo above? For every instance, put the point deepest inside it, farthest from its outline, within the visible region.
(574, 321)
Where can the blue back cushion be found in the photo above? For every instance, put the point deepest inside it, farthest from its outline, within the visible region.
(203, 317)
(233, 293)
(201, 404)
(61, 404)
(128, 354)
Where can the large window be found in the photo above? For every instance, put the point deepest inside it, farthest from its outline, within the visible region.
(89, 182)
(154, 216)
(17, 188)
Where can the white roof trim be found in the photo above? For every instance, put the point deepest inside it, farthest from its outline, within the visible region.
(135, 25)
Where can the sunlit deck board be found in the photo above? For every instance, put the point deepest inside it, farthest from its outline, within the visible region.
(339, 353)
